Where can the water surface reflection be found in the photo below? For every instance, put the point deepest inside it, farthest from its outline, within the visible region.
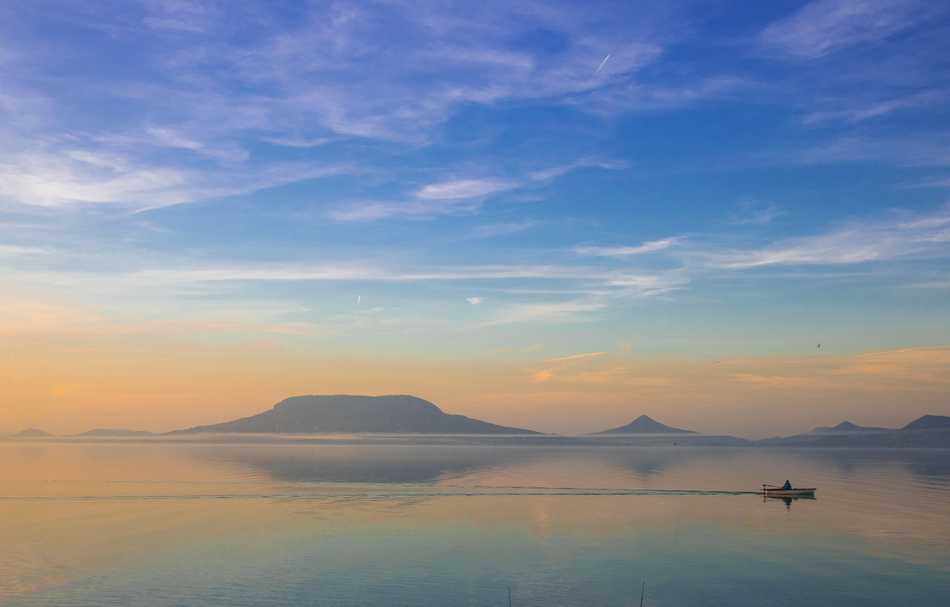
(393, 522)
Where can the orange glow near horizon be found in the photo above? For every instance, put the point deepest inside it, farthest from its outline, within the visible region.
(157, 381)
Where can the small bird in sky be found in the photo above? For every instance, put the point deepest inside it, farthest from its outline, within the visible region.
(602, 64)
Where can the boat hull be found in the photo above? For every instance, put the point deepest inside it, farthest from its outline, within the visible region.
(804, 492)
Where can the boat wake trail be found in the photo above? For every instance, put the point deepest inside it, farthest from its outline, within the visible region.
(383, 492)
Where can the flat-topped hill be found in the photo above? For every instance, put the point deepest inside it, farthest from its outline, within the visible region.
(347, 413)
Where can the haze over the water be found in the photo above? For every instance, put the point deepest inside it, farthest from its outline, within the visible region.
(547, 216)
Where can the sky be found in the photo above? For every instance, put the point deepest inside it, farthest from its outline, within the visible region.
(733, 217)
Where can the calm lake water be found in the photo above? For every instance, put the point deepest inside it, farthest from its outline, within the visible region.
(437, 522)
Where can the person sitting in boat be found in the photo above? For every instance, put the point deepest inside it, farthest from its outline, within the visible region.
(787, 486)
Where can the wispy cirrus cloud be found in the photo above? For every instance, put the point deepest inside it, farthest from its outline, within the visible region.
(601, 290)
(575, 357)
(560, 311)
(52, 180)
(555, 366)
(593, 288)
(639, 96)
(298, 142)
(355, 271)
(561, 170)
(453, 197)
(595, 281)
(898, 236)
(330, 69)
(645, 284)
(324, 75)
(364, 211)
(12, 250)
(464, 188)
(906, 150)
(852, 111)
(825, 26)
(175, 139)
(923, 366)
(651, 246)
(68, 172)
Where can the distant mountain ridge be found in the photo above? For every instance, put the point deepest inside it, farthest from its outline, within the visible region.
(927, 431)
(404, 414)
(929, 422)
(344, 413)
(847, 426)
(645, 425)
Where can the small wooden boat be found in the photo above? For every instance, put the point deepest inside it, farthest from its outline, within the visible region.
(779, 491)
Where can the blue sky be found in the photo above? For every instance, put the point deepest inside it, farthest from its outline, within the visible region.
(468, 181)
